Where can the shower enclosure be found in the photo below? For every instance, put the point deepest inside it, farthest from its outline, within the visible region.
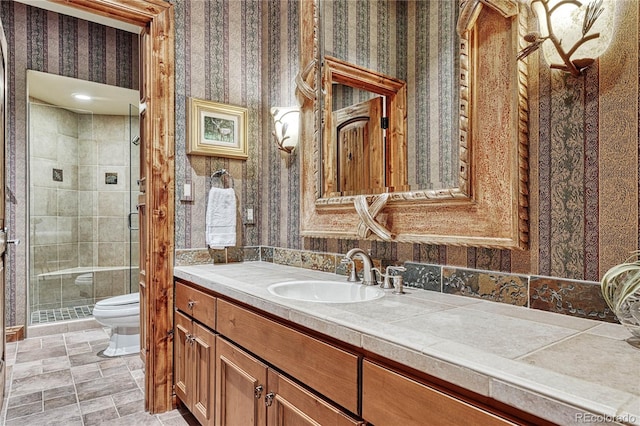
(83, 171)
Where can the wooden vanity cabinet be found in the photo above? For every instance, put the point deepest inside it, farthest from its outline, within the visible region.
(194, 353)
(258, 371)
(389, 398)
(250, 393)
(292, 405)
(329, 370)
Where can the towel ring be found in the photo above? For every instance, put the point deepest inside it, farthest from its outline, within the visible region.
(220, 179)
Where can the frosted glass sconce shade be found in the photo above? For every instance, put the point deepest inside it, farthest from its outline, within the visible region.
(286, 123)
(572, 33)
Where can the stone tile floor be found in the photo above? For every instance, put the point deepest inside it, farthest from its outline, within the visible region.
(61, 380)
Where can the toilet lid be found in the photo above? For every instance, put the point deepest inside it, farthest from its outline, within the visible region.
(125, 299)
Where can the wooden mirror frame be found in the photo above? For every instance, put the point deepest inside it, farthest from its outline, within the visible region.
(489, 208)
(156, 201)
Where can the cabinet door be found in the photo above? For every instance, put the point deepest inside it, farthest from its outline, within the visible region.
(389, 398)
(182, 358)
(241, 383)
(203, 345)
(292, 405)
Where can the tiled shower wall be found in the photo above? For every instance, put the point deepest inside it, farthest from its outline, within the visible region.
(54, 188)
(104, 203)
(78, 220)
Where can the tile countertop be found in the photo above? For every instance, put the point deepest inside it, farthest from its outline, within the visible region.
(564, 369)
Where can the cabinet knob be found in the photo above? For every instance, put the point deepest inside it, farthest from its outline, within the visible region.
(258, 391)
(268, 399)
(189, 338)
(191, 304)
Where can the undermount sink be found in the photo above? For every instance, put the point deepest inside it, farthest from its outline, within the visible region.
(325, 291)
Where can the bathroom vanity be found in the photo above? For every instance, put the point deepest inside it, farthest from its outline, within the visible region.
(246, 356)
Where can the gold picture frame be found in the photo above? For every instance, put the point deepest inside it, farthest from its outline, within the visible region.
(216, 129)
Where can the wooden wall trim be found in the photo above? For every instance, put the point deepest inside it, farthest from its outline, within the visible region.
(157, 145)
(15, 333)
(159, 166)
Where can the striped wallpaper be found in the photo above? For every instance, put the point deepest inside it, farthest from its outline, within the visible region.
(241, 53)
(584, 138)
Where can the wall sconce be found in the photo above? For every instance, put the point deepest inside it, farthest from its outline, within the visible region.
(286, 123)
(579, 32)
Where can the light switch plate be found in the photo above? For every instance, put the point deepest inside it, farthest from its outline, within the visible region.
(248, 216)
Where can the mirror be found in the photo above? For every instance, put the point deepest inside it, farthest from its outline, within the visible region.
(361, 153)
(368, 36)
(487, 206)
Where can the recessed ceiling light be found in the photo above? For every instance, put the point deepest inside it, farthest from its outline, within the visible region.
(81, 97)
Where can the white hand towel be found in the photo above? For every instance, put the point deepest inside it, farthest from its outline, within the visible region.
(221, 218)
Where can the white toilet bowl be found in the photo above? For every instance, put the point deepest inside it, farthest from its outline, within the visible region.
(122, 315)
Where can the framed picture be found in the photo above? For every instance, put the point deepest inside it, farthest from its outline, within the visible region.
(216, 129)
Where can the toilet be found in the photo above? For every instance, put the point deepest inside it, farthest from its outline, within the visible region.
(85, 285)
(122, 315)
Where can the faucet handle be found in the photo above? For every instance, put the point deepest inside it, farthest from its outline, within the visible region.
(353, 276)
(385, 279)
(398, 280)
(395, 268)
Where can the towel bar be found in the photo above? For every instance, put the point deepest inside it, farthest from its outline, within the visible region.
(220, 175)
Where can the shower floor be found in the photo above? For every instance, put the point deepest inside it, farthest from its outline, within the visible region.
(61, 314)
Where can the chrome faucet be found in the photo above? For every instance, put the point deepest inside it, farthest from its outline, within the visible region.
(368, 277)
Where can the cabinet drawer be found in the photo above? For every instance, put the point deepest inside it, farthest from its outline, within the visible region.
(294, 405)
(329, 370)
(390, 398)
(196, 303)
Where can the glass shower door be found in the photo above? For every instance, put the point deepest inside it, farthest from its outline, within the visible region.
(83, 242)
